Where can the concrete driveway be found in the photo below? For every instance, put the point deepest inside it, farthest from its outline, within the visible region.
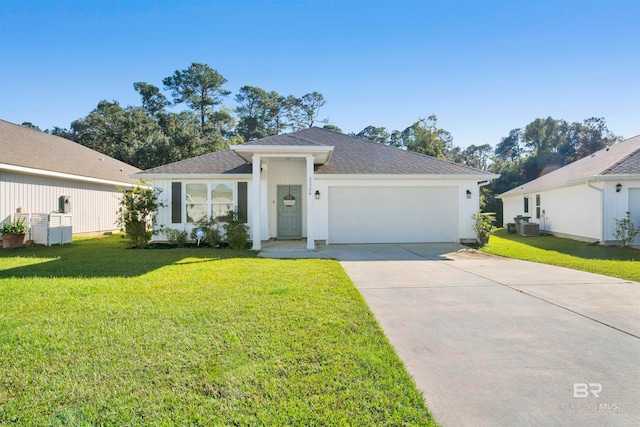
(497, 342)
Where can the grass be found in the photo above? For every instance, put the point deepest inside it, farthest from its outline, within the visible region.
(97, 334)
(607, 260)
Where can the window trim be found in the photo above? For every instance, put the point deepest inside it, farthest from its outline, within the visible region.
(208, 202)
(538, 204)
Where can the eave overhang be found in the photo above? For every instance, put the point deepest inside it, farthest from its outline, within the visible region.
(321, 153)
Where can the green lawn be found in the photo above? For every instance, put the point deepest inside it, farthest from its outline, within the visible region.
(608, 260)
(97, 334)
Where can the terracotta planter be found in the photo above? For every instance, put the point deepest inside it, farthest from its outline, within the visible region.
(10, 241)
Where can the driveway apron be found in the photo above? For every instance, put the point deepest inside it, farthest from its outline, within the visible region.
(492, 341)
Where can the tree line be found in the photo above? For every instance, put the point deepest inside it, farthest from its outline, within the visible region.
(154, 133)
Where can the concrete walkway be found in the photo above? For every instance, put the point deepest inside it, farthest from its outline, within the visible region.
(492, 341)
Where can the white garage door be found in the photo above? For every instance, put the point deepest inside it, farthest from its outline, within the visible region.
(634, 210)
(392, 214)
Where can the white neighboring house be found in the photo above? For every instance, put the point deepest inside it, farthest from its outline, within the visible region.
(323, 186)
(583, 199)
(36, 169)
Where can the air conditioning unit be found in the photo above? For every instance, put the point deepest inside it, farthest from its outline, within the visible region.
(51, 229)
(528, 229)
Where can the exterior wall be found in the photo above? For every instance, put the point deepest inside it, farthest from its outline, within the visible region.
(616, 205)
(164, 214)
(465, 207)
(277, 171)
(573, 212)
(94, 206)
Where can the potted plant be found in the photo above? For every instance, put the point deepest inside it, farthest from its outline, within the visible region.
(13, 233)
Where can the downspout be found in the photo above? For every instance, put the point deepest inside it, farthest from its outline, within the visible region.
(601, 190)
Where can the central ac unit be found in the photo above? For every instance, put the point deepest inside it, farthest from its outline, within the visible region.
(528, 229)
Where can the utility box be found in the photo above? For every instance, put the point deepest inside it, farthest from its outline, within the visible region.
(64, 204)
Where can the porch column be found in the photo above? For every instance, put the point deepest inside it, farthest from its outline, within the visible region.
(255, 203)
(311, 224)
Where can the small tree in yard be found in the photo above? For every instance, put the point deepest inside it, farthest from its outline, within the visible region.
(483, 226)
(137, 214)
(626, 232)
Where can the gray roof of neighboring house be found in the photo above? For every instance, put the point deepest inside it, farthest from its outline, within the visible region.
(618, 159)
(20, 146)
(351, 155)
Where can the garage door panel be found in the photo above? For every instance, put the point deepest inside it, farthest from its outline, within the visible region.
(392, 214)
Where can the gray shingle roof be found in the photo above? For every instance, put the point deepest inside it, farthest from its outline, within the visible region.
(351, 155)
(622, 158)
(20, 146)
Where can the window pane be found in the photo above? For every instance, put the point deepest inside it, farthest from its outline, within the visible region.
(196, 213)
(220, 210)
(221, 193)
(196, 193)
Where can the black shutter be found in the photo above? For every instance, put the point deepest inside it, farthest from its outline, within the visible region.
(242, 201)
(176, 202)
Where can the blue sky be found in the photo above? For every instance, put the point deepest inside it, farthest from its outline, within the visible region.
(483, 68)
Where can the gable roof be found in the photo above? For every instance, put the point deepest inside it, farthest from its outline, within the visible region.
(22, 148)
(351, 155)
(616, 161)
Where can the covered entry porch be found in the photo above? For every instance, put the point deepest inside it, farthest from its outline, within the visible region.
(283, 192)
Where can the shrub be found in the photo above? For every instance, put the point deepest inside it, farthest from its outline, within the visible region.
(626, 232)
(137, 214)
(483, 226)
(237, 232)
(211, 231)
(18, 226)
(177, 237)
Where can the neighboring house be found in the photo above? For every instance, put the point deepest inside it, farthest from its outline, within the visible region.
(324, 186)
(36, 169)
(583, 199)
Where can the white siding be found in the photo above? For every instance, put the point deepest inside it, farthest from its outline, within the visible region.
(94, 206)
(163, 220)
(574, 211)
(618, 204)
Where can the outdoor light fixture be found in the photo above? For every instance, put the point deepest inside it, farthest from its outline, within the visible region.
(317, 195)
(618, 187)
(468, 194)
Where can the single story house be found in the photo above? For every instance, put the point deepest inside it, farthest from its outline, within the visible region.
(583, 199)
(37, 170)
(323, 186)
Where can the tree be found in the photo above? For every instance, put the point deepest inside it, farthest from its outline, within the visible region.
(332, 127)
(30, 125)
(475, 156)
(375, 134)
(302, 112)
(127, 134)
(199, 86)
(153, 101)
(253, 112)
(510, 147)
(425, 137)
(591, 135)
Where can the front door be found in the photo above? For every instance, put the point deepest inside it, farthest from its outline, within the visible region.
(289, 211)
